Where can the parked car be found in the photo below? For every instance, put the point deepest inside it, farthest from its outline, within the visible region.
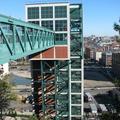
(111, 108)
(95, 88)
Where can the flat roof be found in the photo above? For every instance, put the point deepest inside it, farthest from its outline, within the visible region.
(33, 2)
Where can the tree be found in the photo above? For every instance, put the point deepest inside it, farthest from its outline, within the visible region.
(5, 93)
(117, 82)
(110, 116)
(117, 28)
(34, 117)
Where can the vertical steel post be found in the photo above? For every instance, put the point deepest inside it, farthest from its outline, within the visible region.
(14, 39)
(42, 84)
(25, 38)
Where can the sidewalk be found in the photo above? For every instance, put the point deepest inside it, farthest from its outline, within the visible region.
(24, 74)
(11, 118)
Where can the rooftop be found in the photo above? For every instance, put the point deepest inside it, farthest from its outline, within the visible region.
(50, 1)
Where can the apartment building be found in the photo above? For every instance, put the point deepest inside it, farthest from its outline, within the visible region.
(89, 52)
(116, 63)
(97, 55)
(107, 59)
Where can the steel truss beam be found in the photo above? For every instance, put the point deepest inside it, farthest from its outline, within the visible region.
(19, 39)
(54, 87)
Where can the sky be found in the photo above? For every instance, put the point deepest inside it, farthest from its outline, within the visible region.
(98, 15)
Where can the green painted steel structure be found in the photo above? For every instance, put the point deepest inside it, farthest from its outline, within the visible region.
(62, 80)
(19, 39)
(77, 56)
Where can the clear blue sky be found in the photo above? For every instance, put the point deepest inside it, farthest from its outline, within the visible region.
(99, 15)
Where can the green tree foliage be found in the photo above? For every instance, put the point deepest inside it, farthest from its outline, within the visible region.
(117, 82)
(110, 116)
(117, 27)
(117, 39)
(33, 117)
(5, 93)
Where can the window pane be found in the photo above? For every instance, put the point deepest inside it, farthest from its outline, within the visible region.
(60, 11)
(76, 99)
(76, 88)
(46, 12)
(75, 26)
(76, 75)
(61, 39)
(61, 25)
(34, 22)
(33, 13)
(76, 110)
(47, 24)
(75, 13)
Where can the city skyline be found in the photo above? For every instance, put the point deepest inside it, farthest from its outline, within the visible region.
(98, 15)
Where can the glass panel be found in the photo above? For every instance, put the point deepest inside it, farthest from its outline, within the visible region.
(47, 24)
(64, 118)
(46, 12)
(63, 76)
(60, 39)
(75, 26)
(33, 13)
(76, 118)
(75, 39)
(34, 22)
(76, 99)
(60, 11)
(75, 50)
(76, 110)
(76, 87)
(75, 63)
(76, 75)
(61, 25)
(62, 87)
(75, 13)
(63, 99)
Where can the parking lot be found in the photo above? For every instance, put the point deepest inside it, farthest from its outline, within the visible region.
(98, 85)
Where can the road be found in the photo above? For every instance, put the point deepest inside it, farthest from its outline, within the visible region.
(100, 91)
(94, 78)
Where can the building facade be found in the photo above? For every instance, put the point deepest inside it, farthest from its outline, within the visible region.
(89, 52)
(116, 63)
(107, 59)
(4, 69)
(97, 55)
(57, 73)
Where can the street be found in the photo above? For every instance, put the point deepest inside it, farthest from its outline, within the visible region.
(98, 85)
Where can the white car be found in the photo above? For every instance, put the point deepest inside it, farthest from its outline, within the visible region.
(95, 88)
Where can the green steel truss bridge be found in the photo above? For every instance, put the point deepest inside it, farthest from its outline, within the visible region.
(19, 39)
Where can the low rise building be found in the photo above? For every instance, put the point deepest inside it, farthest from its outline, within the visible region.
(116, 63)
(97, 55)
(89, 52)
(107, 58)
(4, 69)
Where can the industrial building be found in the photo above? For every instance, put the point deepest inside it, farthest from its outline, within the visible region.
(57, 73)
